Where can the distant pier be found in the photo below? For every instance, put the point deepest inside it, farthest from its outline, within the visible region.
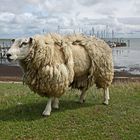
(118, 43)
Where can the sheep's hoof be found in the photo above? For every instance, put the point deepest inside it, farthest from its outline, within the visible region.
(105, 103)
(46, 114)
(81, 101)
(56, 107)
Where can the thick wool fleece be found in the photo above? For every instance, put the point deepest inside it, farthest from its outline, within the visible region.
(49, 67)
(56, 62)
(99, 62)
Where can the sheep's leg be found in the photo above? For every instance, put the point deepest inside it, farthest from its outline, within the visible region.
(83, 96)
(55, 103)
(48, 108)
(106, 96)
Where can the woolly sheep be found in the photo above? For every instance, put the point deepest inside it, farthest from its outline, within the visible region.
(52, 63)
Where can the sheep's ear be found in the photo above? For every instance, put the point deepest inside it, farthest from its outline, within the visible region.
(13, 40)
(30, 40)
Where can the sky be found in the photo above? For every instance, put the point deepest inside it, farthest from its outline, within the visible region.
(28, 17)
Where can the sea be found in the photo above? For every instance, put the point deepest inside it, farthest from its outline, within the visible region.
(128, 58)
(125, 58)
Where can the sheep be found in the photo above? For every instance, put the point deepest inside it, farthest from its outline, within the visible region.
(53, 63)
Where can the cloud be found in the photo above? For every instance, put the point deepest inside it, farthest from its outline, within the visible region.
(12, 6)
(7, 17)
(28, 17)
(91, 2)
(130, 20)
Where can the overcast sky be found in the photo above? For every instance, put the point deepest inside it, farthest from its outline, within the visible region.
(29, 17)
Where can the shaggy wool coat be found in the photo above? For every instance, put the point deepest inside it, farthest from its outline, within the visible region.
(56, 63)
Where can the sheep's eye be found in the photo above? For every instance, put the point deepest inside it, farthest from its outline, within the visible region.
(20, 46)
(23, 43)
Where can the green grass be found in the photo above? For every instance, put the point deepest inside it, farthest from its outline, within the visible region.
(21, 119)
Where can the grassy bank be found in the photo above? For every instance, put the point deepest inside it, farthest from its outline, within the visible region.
(20, 115)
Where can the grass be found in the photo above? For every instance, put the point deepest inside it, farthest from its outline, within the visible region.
(21, 119)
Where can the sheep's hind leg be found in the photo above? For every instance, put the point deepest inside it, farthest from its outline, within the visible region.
(106, 96)
(83, 96)
(55, 103)
(48, 108)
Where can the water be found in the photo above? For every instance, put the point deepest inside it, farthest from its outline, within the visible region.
(5, 42)
(128, 58)
(125, 58)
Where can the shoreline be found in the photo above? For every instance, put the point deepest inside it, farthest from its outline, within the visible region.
(14, 73)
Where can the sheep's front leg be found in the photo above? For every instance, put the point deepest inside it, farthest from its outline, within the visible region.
(48, 108)
(106, 96)
(83, 96)
(55, 103)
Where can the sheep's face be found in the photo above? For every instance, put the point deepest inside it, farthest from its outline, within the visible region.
(20, 49)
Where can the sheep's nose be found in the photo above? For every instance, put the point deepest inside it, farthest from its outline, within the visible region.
(8, 55)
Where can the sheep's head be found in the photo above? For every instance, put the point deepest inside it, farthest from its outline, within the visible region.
(19, 49)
